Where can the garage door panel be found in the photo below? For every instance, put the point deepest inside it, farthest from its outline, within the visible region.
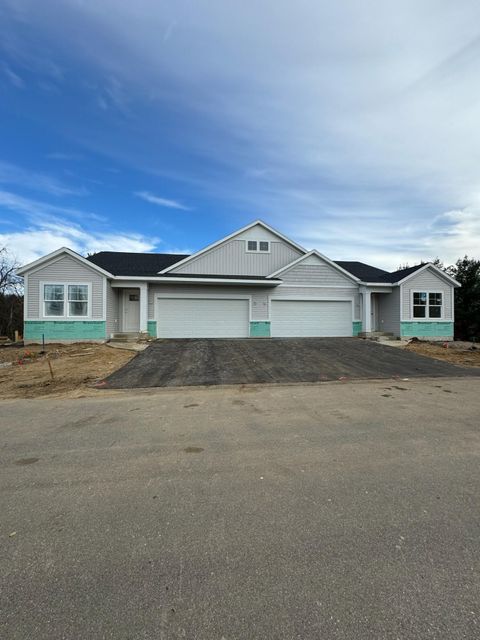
(202, 318)
(311, 318)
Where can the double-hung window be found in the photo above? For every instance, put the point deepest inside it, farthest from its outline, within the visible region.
(427, 304)
(54, 300)
(65, 300)
(78, 300)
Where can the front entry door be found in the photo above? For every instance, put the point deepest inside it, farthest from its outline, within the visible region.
(131, 310)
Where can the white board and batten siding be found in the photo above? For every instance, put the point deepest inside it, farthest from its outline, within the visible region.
(232, 258)
(64, 269)
(427, 280)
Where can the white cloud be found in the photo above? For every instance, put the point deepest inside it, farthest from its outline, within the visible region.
(161, 202)
(50, 227)
(34, 243)
(14, 175)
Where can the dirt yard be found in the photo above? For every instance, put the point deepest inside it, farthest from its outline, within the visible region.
(25, 371)
(456, 352)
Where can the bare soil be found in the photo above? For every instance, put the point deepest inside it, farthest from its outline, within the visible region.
(75, 369)
(455, 352)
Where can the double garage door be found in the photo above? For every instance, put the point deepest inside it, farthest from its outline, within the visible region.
(229, 318)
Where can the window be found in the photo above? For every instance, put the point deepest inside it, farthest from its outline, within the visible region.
(262, 246)
(434, 305)
(54, 299)
(78, 300)
(427, 304)
(65, 300)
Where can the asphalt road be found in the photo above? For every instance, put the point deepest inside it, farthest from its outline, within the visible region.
(170, 363)
(336, 511)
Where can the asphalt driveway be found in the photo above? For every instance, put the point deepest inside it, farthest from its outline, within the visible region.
(171, 363)
(332, 512)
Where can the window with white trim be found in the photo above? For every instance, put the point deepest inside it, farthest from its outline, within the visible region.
(258, 246)
(53, 300)
(65, 300)
(78, 300)
(427, 304)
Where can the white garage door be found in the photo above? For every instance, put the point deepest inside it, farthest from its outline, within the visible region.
(304, 318)
(202, 318)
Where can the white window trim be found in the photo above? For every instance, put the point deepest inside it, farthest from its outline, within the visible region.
(427, 309)
(65, 315)
(257, 250)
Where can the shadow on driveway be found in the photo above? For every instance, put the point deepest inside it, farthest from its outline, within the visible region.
(179, 362)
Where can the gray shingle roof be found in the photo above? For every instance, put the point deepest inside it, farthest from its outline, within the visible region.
(121, 263)
(367, 273)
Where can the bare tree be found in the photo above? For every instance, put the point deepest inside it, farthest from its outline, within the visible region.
(11, 295)
(9, 281)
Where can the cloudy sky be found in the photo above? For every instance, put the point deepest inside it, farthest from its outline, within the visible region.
(351, 126)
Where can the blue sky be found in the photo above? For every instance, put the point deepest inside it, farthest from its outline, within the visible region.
(162, 126)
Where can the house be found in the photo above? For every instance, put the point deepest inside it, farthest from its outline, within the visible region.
(255, 282)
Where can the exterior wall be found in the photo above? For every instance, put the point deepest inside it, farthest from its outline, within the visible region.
(427, 330)
(64, 269)
(64, 331)
(152, 328)
(389, 311)
(441, 329)
(319, 274)
(232, 258)
(113, 317)
(428, 280)
(356, 327)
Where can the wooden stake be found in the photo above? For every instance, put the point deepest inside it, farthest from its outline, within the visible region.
(50, 367)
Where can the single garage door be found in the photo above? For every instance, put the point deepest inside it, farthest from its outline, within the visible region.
(202, 318)
(311, 318)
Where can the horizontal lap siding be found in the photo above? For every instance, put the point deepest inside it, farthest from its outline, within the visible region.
(426, 281)
(232, 258)
(314, 274)
(389, 311)
(65, 269)
(259, 296)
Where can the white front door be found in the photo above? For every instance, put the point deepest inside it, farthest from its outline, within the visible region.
(131, 310)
